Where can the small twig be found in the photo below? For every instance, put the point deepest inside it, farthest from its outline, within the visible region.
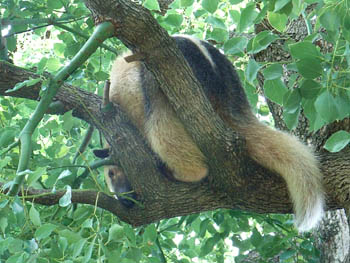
(48, 21)
(84, 143)
(10, 147)
(106, 89)
(135, 57)
(87, 171)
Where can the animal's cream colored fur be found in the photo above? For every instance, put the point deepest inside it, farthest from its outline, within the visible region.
(275, 150)
(174, 146)
(125, 89)
(286, 155)
(111, 180)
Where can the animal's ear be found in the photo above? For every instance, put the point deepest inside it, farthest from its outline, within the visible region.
(101, 153)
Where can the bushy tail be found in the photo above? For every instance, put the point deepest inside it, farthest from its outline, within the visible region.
(296, 163)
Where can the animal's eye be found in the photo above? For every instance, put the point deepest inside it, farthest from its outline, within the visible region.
(110, 173)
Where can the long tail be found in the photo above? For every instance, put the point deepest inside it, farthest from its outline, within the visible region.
(296, 163)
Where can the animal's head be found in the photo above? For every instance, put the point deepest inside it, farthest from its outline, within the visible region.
(116, 180)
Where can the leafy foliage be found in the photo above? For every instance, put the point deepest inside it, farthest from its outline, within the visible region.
(319, 85)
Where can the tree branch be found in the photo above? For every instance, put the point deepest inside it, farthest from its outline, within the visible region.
(262, 192)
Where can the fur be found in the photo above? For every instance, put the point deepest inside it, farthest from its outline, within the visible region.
(151, 112)
(116, 181)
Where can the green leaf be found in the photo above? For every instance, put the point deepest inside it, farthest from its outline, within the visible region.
(3, 224)
(280, 4)
(7, 136)
(71, 236)
(41, 66)
(247, 18)
(151, 5)
(218, 34)
(174, 20)
(346, 27)
(263, 110)
(278, 21)
(53, 64)
(208, 246)
(68, 121)
(32, 82)
(78, 247)
(65, 200)
(27, 83)
(59, 49)
(275, 90)
(4, 162)
(64, 174)
(17, 87)
(88, 252)
(116, 233)
(135, 254)
(309, 89)
(15, 245)
(130, 234)
(150, 234)
(304, 50)
(54, 4)
(260, 42)
(33, 177)
(216, 22)
(235, 16)
(235, 45)
(326, 106)
(17, 207)
(200, 12)
(343, 105)
(210, 5)
(203, 227)
(234, 2)
(82, 213)
(309, 68)
(330, 19)
(291, 119)
(11, 43)
(287, 254)
(44, 231)
(291, 101)
(273, 71)
(186, 3)
(101, 76)
(34, 216)
(252, 95)
(256, 238)
(252, 70)
(337, 141)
